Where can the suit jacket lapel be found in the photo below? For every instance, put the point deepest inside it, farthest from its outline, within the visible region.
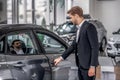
(82, 29)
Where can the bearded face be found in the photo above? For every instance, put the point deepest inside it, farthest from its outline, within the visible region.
(17, 45)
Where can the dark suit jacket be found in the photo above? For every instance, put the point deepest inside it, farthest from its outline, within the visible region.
(13, 52)
(86, 49)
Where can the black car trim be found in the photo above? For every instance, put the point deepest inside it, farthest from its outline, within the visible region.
(43, 51)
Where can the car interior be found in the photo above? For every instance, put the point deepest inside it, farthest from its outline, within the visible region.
(26, 43)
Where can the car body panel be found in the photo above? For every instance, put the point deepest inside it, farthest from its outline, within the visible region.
(4, 70)
(28, 67)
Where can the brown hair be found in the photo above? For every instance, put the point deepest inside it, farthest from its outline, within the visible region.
(76, 10)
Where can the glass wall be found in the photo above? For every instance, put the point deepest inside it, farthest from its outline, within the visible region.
(9, 11)
(27, 11)
(41, 11)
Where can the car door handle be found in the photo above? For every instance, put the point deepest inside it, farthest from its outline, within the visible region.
(19, 65)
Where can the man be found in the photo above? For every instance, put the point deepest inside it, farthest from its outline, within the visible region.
(16, 45)
(85, 45)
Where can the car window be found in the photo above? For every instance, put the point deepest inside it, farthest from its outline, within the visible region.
(50, 44)
(25, 40)
(66, 28)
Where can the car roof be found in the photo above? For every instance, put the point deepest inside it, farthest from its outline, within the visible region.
(5, 28)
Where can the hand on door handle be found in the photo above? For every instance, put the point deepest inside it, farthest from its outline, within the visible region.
(57, 60)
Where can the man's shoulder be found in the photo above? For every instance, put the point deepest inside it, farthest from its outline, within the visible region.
(86, 24)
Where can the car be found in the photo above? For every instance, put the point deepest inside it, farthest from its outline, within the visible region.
(67, 31)
(113, 46)
(41, 47)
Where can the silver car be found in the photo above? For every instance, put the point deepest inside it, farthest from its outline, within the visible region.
(113, 47)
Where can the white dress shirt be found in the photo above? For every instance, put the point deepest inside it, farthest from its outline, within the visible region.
(19, 51)
(78, 31)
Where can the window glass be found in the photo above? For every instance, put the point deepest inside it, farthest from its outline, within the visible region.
(50, 44)
(66, 29)
(21, 41)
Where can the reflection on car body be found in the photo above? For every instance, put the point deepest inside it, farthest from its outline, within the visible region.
(41, 47)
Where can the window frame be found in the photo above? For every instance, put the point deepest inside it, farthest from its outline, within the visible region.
(54, 36)
(31, 36)
(4, 46)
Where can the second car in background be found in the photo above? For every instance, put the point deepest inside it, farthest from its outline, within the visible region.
(113, 47)
(67, 32)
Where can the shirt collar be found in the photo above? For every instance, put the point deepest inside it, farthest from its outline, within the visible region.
(78, 26)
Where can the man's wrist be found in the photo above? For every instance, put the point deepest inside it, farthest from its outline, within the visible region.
(61, 58)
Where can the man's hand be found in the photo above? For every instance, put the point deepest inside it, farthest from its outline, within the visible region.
(56, 61)
(91, 72)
